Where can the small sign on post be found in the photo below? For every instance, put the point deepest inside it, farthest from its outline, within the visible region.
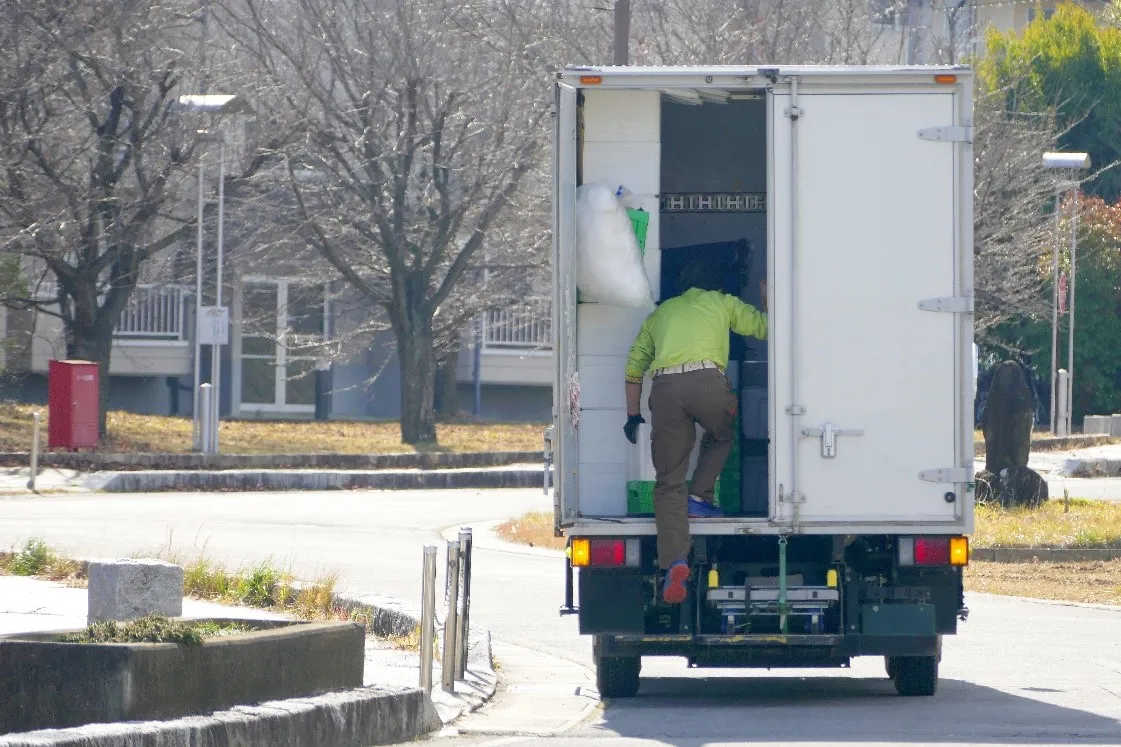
(214, 325)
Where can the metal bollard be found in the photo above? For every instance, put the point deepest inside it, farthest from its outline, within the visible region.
(451, 622)
(427, 616)
(206, 417)
(462, 633)
(1062, 406)
(35, 418)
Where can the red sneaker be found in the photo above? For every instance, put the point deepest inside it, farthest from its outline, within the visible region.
(673, 590)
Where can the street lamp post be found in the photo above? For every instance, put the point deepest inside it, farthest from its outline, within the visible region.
(1072, 163)
(209, 104)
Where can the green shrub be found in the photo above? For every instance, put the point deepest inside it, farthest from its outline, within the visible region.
(35, 558)
(152, 630)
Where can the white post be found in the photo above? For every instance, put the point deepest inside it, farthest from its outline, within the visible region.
(1055, 307)
(427, 616)
(1062, 392)
(216, 356)
(35, 418)
(206, 412)
(1070, 326)
(196, 426)
(451, 619)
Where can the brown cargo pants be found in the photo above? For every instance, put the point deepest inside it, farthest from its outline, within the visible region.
(677, 401)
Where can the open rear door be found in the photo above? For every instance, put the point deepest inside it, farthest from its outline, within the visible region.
(871, 307)
(565, 406)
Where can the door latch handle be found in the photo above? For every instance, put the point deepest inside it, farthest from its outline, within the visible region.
(828, 434)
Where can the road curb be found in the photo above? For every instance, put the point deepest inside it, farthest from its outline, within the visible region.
(1051, 554)
(353, 718)
(91, 462)
(514, 476)
(1055, 443)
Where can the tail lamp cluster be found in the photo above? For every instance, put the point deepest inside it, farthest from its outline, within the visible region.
(603, 552)
(933, 551)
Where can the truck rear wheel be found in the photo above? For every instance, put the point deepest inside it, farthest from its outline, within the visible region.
(914, 675)
(617, 676)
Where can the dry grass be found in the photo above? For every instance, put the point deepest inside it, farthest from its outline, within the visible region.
(1088, 524)
(129, 432)
(534, 529)
(1097, 582)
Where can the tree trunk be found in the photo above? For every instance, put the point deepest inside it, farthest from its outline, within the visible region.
(418, 383)
(447, 387)
(89, 345)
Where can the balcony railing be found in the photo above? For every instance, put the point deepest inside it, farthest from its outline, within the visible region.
(524, 328)
(153, 312)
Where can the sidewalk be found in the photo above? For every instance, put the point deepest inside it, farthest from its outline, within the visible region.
(29, 605)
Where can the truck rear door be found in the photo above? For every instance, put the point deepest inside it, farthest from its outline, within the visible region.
(565, 404)
(871, 303)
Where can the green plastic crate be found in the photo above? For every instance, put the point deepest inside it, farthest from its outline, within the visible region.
(640, 221)
(640, 496)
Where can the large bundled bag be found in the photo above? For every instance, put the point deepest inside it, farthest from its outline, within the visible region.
(609, 267)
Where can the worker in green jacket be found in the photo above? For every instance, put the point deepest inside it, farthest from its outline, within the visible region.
(684, 345)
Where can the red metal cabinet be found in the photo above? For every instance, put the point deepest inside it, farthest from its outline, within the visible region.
(72, 401)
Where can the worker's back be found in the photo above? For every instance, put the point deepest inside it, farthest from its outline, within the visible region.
(695, 319)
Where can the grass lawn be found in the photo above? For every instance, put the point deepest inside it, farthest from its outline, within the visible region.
(1097, 582)
(129, 432)
(1088, 524)
(534, 529)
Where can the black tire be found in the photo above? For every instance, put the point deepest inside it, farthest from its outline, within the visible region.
(617, 676)
(914, 675)
(889, 664)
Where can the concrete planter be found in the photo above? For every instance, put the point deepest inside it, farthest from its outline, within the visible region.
(47, 684)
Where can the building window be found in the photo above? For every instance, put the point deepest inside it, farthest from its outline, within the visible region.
(283, 322)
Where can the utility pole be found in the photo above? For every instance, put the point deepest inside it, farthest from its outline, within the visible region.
(622, 31)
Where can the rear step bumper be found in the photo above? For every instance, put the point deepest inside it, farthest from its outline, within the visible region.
(767, 649)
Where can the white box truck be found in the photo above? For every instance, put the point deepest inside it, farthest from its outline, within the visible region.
(848, 498)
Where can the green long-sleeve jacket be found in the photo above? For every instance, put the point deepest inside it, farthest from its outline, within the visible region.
(690, 328)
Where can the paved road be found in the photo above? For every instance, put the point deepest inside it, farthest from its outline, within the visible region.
(1021, 673)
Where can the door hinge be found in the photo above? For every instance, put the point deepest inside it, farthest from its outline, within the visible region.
(949, 304)
(947, 475)
(948, 134)
(828, 434)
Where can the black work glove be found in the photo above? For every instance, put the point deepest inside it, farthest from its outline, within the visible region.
(631, 428)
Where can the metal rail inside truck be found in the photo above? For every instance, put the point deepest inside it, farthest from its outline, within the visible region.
(848, 496)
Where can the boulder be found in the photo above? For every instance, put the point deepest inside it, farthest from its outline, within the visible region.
(124, 590)
(988, 487)
(1022, 487)
(1008, 417)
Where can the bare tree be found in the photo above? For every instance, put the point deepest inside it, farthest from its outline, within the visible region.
(414, 141)
(1011, 223)
(91, 155)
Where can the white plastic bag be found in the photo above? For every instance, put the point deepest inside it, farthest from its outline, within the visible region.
(609, 267)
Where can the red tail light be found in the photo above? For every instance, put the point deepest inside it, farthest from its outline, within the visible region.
(932, 550)
(586, 551)
(608, 552)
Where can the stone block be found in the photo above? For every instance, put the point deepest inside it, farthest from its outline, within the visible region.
(1114, 426)
(129, 589)
(1096, 424)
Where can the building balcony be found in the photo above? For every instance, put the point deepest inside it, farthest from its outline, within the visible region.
(515, 346)
(150, 339)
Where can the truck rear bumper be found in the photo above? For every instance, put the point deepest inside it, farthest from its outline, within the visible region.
(767, 650)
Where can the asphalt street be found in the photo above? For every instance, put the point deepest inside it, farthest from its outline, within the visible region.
(1021, 672)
